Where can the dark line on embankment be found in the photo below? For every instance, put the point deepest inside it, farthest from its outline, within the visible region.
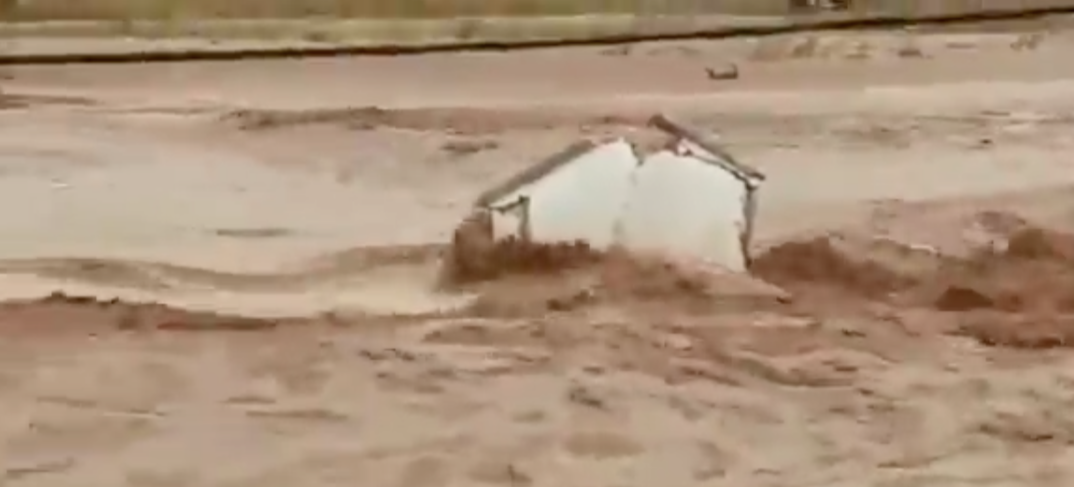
(827, 23)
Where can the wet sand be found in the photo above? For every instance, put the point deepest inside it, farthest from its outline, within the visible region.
(285, 218)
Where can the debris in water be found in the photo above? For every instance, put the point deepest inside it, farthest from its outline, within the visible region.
(688, 201)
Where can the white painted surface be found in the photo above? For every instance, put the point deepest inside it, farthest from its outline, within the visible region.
(507, 221)
(580, 200)
(683, 207)
(675, 205)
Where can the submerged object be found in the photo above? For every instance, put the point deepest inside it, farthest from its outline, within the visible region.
(691, 200)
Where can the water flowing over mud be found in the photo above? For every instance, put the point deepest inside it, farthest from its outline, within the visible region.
(219, 274)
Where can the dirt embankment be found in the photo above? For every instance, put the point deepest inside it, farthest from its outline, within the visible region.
(411, 32)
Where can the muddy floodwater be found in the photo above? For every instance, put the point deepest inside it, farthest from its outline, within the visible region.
(224, 274)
